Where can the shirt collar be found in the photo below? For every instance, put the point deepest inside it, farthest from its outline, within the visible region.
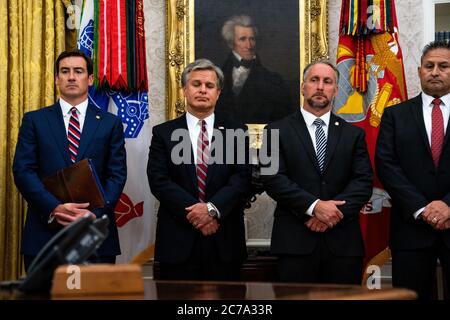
(192, 120)
(65, 106)
(426, 99)
(309, 117)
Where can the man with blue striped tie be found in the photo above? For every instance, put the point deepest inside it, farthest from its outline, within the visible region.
(55, 137)
(324, 179)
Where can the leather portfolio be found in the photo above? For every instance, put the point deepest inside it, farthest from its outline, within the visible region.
(77, 184)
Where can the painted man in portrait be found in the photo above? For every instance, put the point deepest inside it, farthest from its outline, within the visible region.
(252, 93)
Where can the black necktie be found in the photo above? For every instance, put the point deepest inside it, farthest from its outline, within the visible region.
(244, 63)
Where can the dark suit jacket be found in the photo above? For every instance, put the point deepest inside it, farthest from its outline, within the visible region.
(175, 186)
(347, 176)
(42, 149)
(263, 98)
(405, 167)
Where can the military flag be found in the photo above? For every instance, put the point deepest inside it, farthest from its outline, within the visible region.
(113, 34)
(370, 62)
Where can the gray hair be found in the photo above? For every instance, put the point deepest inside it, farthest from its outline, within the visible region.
(230, 24)
(433, 45)
(326, 62)
(202, 64)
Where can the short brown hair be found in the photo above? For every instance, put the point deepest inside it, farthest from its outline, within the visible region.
(75, 53)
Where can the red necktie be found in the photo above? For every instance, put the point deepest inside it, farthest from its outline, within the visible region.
(437, 131)
(202, 160)
(73, 134)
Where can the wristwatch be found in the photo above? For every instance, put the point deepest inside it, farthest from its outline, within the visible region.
(212, 210)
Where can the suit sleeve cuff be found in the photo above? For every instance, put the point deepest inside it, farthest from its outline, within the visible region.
(310, 210)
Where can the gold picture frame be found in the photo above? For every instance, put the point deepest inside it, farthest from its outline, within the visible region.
(180, 43)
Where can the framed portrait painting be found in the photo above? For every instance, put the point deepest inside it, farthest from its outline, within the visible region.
(262, 76)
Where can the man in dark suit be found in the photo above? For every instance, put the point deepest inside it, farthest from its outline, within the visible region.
(324, 179)
(200, 231)
(55, 137)
(251, 92)
(413, 163)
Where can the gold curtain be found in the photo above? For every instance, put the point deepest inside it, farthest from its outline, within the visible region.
(32, 34)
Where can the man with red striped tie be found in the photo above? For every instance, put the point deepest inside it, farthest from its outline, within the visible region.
(413, 163)
(57, 136)
(200, 232)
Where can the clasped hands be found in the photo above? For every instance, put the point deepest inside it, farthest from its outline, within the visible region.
(326, 215)
(66, 213)
(198, 216)
(437, 214)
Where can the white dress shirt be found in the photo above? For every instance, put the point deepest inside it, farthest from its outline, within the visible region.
(427, 108)
(81, 112)
(309, 119)
(239, 75)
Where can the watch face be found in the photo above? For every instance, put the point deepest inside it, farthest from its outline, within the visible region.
(212, 212)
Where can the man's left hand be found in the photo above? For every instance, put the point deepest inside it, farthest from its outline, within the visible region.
(198, 215)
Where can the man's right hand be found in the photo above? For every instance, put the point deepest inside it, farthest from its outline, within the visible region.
(328, 213)
(68, 212)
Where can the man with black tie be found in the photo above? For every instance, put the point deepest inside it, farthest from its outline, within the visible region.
(413, 163)
(54, 138)
(200, 231)
(324, 179)
(251, 93)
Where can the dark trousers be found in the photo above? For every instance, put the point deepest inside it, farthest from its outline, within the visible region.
(321, 266)
(416, 269)
(28, 259)
(204, 263)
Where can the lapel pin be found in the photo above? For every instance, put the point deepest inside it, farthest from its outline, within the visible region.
(336, 123)
(97, 117)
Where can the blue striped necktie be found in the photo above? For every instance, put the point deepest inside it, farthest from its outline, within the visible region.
(321, 142)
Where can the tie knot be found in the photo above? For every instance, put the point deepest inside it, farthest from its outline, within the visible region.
(318, 122)
(202, 124)
(73, 110)
(436, 102)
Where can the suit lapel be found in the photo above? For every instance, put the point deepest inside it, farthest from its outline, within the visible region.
(334, 133)
(298, 123)
(91, 122)
(447, 134)
(212, 167)
(58, 130)
(181, 123)
(417, 111)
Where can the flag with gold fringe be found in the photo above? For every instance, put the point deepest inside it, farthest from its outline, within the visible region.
(370, 62)
(112, 33)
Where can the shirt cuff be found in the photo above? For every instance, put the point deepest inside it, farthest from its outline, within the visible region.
(215, 208)
(310, 210)
(418, 212)
(51, 217)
